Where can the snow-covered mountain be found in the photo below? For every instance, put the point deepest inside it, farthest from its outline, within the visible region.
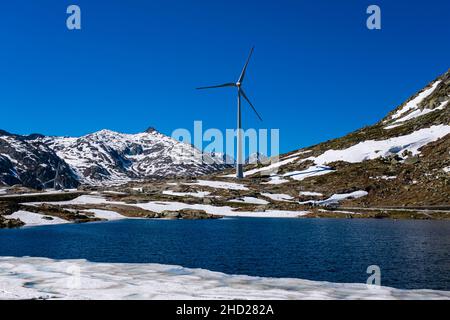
(26, 160)
(104, 157)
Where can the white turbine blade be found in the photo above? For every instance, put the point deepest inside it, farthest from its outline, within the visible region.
(241, 78)
(219, 86)
(48, 181)
(251, 105)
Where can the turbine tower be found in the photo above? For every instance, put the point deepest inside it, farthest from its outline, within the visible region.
(240, 93)
(57, 184)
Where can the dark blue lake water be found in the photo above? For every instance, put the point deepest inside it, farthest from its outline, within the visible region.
(411, 254)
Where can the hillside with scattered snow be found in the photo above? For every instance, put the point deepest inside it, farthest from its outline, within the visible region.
(402, 160)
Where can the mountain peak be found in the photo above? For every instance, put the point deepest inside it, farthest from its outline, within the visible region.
(104, 132)
(151, 130)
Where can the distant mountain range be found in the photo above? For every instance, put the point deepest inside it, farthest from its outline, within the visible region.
(101, 158)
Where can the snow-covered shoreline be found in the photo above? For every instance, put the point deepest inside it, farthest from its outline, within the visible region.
(42, 278)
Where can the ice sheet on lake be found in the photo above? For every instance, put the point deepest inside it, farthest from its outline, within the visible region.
(41, 278)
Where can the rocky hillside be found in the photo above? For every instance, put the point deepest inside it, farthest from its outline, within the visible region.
(403, 160)
(101, 158)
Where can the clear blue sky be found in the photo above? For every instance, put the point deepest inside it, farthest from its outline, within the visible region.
(317, 71)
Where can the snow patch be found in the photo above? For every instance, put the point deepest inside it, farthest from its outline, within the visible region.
(250, 200)
(219, 185)
(415, 114)
(372, 149)
(335, 198)
(312, 171)
(414, 103)
(277, 196)
(310, 194)
(106, 214)
(275, 180)
(270, 169)
(35, 219)
(198, 194)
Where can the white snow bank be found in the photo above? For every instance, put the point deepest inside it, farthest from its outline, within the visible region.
(219, 185)
(414, 103)
(275, 180)
(84, 199)
(299, 153)
(35, 219)
(392, 126)
(310, 194)
(414, 114)
(335, 198)
(272, 168)
(80, 279)
(250, 200)
(46, 192)
(277, 196)
(372, 149)
(106, 214)
(312, 171)
(199, 194)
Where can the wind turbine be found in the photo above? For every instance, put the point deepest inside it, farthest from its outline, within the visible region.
(241, 92)
(56, 180)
